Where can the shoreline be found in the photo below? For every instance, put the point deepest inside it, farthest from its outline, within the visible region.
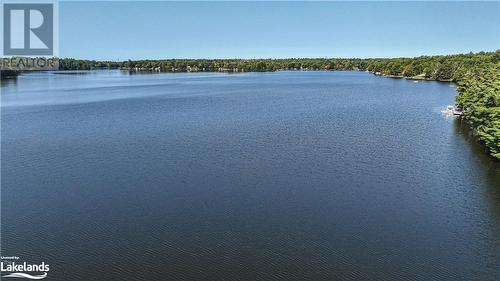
(471, 79)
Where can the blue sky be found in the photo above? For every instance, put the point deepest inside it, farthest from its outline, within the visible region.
(140, 30)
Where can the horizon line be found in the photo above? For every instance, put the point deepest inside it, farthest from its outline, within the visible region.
(282, 58)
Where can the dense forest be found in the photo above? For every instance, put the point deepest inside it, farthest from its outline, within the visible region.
(476, 74)
(479, 96)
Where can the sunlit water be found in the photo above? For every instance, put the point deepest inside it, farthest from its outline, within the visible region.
(255, 176)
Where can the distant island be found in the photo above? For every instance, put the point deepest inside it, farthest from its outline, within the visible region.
(477, 76)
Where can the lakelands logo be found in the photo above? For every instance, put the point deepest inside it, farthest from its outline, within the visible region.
(12, 267)
(29, 30)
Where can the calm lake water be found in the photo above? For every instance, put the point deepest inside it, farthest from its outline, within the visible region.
(255, 176)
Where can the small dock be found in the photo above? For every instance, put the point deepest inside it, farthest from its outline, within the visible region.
(452, 111)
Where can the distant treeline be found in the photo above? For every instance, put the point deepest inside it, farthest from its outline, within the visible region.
(75, 64)
(477, 76)
(443, 68)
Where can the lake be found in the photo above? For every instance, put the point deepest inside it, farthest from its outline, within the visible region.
(255, 176)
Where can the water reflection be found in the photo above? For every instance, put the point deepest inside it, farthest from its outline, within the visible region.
(72, 72)
(8, 81)
(490, 167)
